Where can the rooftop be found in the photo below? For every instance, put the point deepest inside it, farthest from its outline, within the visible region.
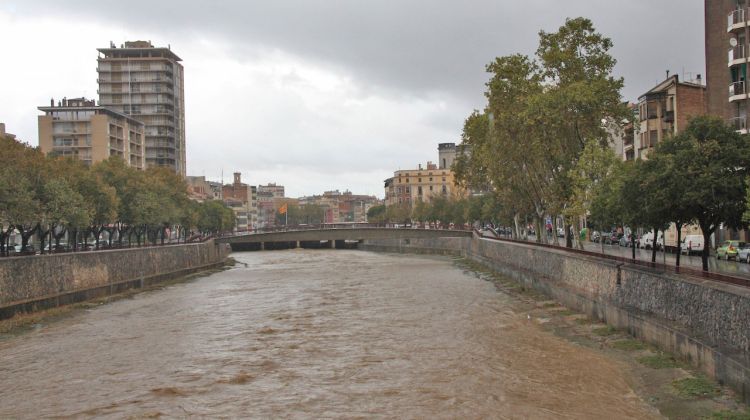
(137, 49)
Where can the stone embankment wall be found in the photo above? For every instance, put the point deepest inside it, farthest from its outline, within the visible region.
(38, 282)
(705, 322)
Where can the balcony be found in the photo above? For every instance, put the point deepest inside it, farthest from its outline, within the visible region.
(739, 124)
(737, 56)
(737, 91)
(736, 20)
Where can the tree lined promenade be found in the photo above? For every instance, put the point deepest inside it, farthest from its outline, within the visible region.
(541, 150)
(60, 199)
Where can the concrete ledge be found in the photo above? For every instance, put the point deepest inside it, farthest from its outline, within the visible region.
(29, 284)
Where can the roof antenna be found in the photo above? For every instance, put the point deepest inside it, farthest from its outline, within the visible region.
(667, 74)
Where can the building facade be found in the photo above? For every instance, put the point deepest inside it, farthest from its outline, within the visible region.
(666, 109)
(267, 203)
(147, 83)
(736, 38)
(242, 198)
(80, 129)
(723, 21)
(201, 189)
(422, 184)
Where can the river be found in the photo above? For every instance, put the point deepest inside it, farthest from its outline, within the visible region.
(312, 333)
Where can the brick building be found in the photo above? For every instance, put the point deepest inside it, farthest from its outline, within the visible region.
(666, 109)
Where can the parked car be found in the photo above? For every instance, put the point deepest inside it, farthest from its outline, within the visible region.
(729, 249)
(692, 244)
(560, 232)
(595, 236)
(743, 254)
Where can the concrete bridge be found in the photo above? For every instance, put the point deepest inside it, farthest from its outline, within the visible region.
(331, 238)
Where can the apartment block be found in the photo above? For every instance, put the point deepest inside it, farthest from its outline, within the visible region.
(666, 109)
(147, 83)
(736, 39)
(79, 128)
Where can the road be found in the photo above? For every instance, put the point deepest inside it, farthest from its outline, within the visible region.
(731, 267)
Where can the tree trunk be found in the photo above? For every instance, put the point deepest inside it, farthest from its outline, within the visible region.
(653, 245)
(706, 245)
(679, 243)
(568, 237)
(632, 240)
(26, 234)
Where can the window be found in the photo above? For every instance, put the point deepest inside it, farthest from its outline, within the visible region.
(419, 191)
(419, 180)
(430, 187)
(430, 179)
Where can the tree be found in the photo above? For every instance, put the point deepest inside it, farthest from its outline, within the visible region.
(376, 214)
(713, 160)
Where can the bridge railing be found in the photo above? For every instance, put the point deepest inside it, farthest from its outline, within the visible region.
(337, 226)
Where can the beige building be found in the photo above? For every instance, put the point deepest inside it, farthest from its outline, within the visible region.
(80, 129)
(201, 189)
(421, 184)
(145, 82)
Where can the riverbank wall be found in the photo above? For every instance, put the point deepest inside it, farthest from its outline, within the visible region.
(33, 283)
(704, 322)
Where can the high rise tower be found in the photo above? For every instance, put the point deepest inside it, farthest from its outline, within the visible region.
(147, 83)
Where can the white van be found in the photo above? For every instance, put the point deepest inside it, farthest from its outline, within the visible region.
(647, 240)
(692, 244)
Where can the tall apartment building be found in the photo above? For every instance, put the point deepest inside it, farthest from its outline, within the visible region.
(80, 129)
(727, 49)
(665, 110)
(147, 83)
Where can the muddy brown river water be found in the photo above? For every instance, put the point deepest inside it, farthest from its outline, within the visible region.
(308, 333)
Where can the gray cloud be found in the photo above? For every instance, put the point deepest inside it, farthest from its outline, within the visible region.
(418, 46)
(322, 94)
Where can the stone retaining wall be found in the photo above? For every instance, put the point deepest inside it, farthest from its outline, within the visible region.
(705, 322)
(38, 282)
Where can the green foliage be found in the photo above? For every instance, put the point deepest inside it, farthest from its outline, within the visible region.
(629, 345)
(699, 386)
(52, 195)
(699, 175)
(605, 331)
(540, 144)
(660, 361)
(376, 214)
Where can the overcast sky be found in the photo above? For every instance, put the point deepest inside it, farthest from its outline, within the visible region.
(323, 94)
